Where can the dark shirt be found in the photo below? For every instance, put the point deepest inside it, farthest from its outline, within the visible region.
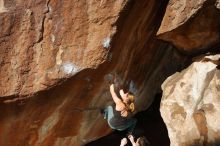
(118, 121)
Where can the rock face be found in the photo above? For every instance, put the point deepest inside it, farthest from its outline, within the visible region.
(191, 25)
(190, 104)
(45, 41)
(60, 53)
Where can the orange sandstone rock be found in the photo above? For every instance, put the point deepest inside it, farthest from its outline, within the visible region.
(59, 53)
(191, 26)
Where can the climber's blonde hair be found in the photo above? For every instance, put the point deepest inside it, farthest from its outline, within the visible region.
(130, 105)
(131, 97)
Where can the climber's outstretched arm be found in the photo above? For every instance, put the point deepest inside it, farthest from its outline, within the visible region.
(115, 98)
(123, 94)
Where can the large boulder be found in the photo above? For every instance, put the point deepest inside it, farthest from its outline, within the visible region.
(42, 42)
(191, 25)
(190, 105)
(56, 57)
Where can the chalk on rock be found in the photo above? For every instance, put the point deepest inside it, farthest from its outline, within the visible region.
(70, 68)
(132, 87)
(106, 42)
(109, 78)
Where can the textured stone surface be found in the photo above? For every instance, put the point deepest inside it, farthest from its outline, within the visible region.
(191, 25)
(67, 37)
(190, 104)
(44, 41)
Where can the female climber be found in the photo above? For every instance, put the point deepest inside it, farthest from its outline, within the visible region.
(119, 116)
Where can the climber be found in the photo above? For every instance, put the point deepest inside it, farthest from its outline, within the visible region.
(141, 141)
(119, 116)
